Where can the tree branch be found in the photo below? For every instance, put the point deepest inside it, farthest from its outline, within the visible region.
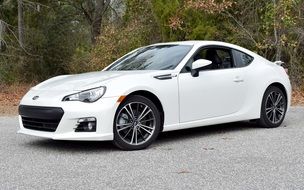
(86, 13)
(15, 36)
(241, 26)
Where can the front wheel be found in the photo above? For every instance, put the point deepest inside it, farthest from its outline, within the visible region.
(273, 108)
(136, 124)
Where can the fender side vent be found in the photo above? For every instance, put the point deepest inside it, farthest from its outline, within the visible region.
(164, 77)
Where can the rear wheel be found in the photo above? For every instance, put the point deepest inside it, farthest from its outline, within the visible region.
(137, 123)
(273, 108)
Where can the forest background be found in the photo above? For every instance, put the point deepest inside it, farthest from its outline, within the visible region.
(44, 38)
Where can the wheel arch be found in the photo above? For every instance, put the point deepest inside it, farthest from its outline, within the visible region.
(281, 87)
(151, 96)
(266, 122)
(276, 84)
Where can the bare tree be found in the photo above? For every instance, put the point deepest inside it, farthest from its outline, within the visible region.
(20, 23)
(2, 42)
(277, 34)
(94, 12)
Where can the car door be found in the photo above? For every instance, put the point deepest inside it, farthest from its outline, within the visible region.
(218, 90)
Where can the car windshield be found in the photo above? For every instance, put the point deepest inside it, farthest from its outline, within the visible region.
(158, 57)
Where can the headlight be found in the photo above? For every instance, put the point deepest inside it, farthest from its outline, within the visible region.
(90, 95)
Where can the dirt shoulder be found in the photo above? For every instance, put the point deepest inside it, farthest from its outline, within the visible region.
(10, 97)
(298, 97)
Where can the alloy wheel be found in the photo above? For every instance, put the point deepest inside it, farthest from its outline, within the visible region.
(135, 123)
(275, 107)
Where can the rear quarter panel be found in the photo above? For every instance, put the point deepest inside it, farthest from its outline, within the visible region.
(261, 74)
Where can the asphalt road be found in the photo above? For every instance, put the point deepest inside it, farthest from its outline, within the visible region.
(229, 156)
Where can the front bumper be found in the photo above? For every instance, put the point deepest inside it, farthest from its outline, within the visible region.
(103, 110)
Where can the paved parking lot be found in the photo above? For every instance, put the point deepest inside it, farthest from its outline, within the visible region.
(229, 156)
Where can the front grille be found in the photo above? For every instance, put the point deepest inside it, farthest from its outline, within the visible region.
(40, 118)
(40, 124)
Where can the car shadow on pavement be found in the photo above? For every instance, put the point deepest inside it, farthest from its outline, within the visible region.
(166, 137)
(72, 146)
(209, 130)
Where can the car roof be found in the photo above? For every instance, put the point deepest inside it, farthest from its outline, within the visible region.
(206, 43)
(197, 42)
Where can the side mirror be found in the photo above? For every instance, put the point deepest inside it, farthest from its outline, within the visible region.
(198, 64)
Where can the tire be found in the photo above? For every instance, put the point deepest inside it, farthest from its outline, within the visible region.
(273, 110)
(137, 123)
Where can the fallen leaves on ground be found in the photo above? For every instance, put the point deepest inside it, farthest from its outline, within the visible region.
(10, 96)
(208, 148)
(298, 97)
(183, 172)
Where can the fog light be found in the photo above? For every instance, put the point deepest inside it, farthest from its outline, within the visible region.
(86, 125)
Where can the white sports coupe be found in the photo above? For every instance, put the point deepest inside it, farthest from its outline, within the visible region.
(161, 87)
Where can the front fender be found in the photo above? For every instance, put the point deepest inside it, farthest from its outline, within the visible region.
(165, 90)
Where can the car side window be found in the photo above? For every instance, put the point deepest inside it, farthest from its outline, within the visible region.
(226, 58)
(221, 58)
(242, 59)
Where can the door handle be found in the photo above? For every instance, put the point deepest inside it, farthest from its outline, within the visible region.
(238, 79)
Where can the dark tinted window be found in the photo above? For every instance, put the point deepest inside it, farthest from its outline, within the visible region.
(161, 57)
(221, 58)
(226, 58)
(242, 59)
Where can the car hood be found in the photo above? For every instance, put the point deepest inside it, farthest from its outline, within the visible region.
(85, 81)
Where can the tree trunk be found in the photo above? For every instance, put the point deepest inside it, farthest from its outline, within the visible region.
(20, 23)
(277, 33)
(98, 14)
(95, 31)
(2, 30)
(94, 12)
(279, 52)
(96, 17)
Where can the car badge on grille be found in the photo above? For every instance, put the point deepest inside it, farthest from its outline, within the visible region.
(35, 97)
